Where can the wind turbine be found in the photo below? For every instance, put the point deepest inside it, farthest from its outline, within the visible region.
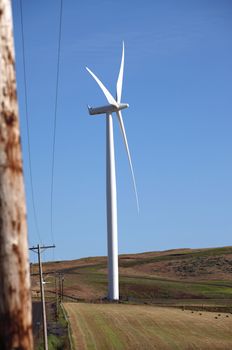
(116, 106)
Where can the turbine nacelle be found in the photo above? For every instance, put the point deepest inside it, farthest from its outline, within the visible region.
(108, 109)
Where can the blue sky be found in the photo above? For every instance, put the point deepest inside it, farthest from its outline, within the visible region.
(178, 74)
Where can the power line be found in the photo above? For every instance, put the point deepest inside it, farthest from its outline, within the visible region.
(28, 130)
(55, 121)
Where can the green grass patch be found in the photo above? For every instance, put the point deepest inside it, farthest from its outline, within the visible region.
(54, 343)
(157, 288)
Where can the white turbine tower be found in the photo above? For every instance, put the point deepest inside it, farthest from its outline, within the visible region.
(112, 230)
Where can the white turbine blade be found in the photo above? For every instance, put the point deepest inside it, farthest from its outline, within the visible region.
(120, 77)
(107, 94)
(128, 153)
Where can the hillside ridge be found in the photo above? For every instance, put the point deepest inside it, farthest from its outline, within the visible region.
(172, 274)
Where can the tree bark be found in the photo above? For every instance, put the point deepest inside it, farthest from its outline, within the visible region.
(15, 295)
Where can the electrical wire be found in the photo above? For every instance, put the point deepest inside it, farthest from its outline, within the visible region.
(55, 122)
(28, 129)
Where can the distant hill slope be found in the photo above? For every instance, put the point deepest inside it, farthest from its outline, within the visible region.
(172, 274)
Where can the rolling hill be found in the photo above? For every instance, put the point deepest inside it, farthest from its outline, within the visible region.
(180, 274)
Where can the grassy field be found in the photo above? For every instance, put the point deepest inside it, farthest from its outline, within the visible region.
(195, 280)
(121, 327)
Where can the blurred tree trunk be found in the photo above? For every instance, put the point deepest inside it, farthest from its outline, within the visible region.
(15, 296)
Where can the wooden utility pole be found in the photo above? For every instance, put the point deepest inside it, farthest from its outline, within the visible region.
(62, 288)
(57, 300)
(37, 250)
(43, 301)
(15, 295)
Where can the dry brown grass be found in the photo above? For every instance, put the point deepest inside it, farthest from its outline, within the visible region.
(173, 274)
(189, 264)
(115, 326)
